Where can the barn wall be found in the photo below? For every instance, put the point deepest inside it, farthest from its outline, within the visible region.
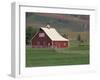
(60, 44)
(41, 41)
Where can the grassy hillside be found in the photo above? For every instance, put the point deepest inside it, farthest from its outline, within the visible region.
(74, 35)
(71, 25)
(70, 22)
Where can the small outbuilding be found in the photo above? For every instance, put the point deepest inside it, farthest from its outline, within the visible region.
(48, 37)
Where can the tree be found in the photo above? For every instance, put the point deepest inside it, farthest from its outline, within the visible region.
(79, 37)
(30, 32)
(65, 36)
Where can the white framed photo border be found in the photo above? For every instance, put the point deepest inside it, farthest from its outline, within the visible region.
(18, 61)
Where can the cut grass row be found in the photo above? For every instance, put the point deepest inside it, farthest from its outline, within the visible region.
(54, 57)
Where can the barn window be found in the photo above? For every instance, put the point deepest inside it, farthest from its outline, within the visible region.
(41, 35)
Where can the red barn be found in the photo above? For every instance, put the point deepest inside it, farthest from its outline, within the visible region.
(48, 37)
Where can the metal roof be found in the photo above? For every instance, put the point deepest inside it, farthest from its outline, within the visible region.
(53, 34)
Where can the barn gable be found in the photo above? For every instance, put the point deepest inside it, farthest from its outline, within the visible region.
(37, 33)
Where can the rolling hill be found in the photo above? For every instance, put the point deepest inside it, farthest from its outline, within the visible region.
(69, 24)
(76, 23)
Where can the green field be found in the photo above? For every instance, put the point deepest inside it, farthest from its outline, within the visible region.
(74, 55)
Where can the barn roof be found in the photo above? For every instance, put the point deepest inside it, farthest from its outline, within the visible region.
(53, 34)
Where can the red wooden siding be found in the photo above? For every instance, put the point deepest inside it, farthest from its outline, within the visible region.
(39, 41)
(60, 44)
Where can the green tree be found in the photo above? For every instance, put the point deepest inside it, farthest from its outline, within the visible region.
(30, 32)
(79, 37)
(65, 36)
(81, 41)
